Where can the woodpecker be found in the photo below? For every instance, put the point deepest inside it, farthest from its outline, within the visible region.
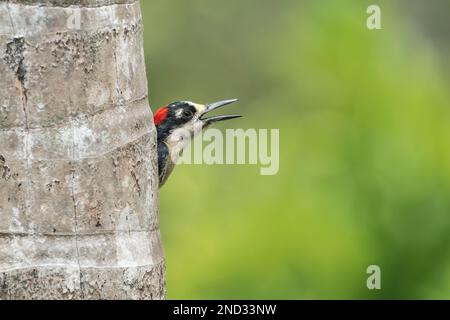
(176, 124)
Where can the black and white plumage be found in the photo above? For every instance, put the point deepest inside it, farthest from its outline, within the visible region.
(176, 124)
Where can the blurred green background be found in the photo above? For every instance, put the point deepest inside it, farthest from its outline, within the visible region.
(364, 148)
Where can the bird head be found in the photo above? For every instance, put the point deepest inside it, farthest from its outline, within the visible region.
(176, 124)
(185, 118)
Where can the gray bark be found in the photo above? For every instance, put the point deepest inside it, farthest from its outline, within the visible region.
(78, 172)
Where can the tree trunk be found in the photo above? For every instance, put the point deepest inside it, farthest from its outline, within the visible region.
(78, 171)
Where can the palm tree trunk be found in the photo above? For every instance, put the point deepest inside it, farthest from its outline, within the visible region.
(78, 180)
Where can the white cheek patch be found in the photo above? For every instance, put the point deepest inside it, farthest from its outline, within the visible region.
(197, 106)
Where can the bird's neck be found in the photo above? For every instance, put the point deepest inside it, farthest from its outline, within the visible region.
(162, 134)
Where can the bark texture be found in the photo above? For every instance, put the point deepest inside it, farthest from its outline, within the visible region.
(78, 171)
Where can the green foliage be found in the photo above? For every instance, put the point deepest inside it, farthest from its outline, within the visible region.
(364, 152)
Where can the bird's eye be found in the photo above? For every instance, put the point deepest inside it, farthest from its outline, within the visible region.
(187, 113)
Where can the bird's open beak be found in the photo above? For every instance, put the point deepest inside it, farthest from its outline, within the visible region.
(214, 106)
